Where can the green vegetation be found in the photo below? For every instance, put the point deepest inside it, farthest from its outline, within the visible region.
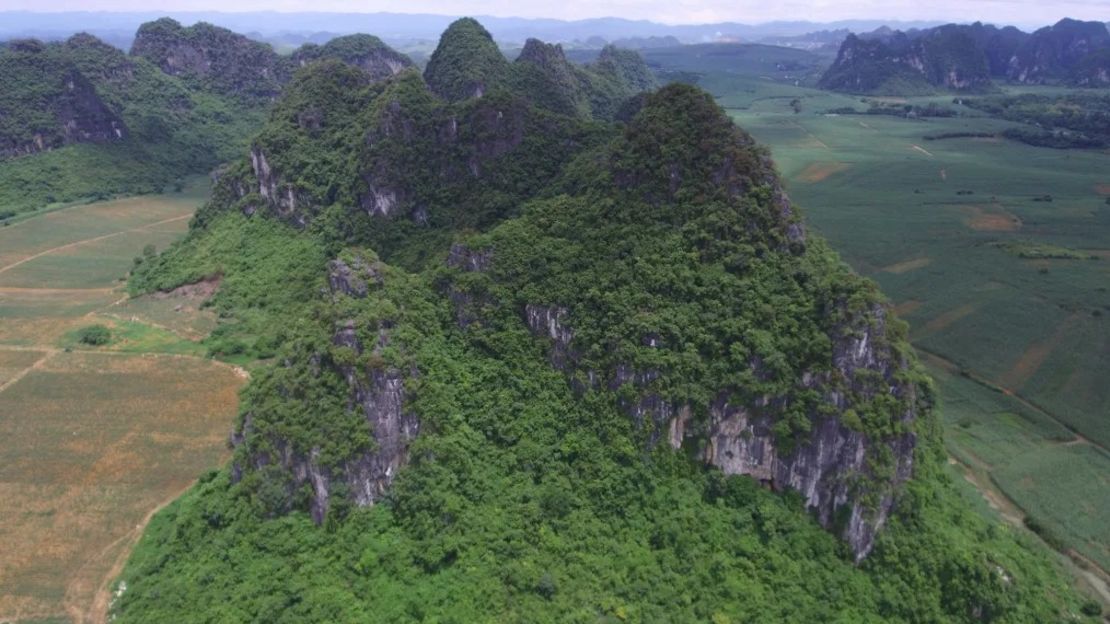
(166, 129)
(1072, 120)
(366, 52)
(466, 63)
(968, 58)
(212, 59)
(524, 499)
(1025, 325)
(95, 335)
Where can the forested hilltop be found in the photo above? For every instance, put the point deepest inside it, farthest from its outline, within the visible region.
(971, 58)
(532, 365)
(82, 120)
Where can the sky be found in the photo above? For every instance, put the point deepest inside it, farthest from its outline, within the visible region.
(1030, 12)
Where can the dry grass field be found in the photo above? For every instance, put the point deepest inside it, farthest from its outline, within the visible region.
(93, 440)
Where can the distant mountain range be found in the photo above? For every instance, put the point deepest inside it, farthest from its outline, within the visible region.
(118, 28)
(971, 58)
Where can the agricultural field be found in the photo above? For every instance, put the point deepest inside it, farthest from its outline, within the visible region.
(96, 438)
(998, 255)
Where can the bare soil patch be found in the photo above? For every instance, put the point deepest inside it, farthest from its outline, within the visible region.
(907, 307)
(948, 318)
(908, 265)
(991, 218)
(1034, 357)
(819, 171)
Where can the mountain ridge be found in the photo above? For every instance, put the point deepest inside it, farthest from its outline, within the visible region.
(969, 58)
(503, 392)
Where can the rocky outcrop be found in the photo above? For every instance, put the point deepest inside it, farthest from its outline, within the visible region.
(1057, 52)
(368, 53)
(283, 197)
(375, 391)
(63, 109)
(212, 58)
(969, 57)
(834, 467)
(948, 57)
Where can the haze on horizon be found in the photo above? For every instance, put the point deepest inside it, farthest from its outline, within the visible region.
(1029, 13)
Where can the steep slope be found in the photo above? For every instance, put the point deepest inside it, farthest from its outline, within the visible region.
(563, 409)
(98, 122)
(366, 52)
(543, 74)
(466, 63)
(1054, 52)
(212, 58)
(949, 57)
(967, 58)
(47, 102)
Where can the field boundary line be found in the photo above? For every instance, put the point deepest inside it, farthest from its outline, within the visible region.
(991, 385)
(97, 612)
(23, 373)
(90, 240)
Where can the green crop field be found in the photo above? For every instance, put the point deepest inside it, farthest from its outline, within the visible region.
(96, 437)
(997, 253)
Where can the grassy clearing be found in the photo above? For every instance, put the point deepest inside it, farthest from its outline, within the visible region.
(93, 440)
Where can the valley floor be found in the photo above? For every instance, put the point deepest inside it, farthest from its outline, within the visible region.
(93, 440)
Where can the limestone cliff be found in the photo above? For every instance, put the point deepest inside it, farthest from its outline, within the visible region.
(375, 394)
(366, 52)
(48, 102)
(212, 58)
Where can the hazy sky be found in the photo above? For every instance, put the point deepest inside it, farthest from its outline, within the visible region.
(1029, 12)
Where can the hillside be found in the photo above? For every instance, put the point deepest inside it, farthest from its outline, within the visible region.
(81, 119)
(970, 58)
(212, 58)
(532, 367)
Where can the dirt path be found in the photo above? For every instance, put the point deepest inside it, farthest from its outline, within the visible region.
(954, 368)
(1007, 509)
(51, 351)
(23, 373)
(90, 240)
(97, 612)
(812, 136)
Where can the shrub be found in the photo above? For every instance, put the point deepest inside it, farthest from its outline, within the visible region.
(95, 335)
(1091, 608)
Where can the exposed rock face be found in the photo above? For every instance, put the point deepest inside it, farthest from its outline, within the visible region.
(76, 112)
(949, 57)
(1056, 52)
(212, 57)
(967, 57)
(376, 392)
(831, 468)
(283, 197)
(377, 60)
